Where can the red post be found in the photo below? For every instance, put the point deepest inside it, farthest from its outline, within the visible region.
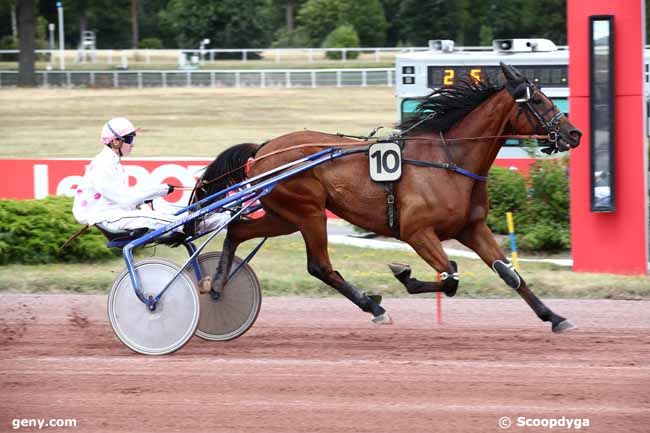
(614, 242)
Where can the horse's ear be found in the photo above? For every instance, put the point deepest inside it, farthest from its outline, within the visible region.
(511, 73)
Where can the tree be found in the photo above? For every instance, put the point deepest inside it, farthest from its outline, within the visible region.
(134, 24)
(227, 23)
(391, 14)
(320, 17)
(422, 20)
(26, 37)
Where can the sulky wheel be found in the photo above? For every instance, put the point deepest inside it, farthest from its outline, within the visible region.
(238, 305)
(170, 325)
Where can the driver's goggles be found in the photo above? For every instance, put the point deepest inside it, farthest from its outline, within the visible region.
(128, 139)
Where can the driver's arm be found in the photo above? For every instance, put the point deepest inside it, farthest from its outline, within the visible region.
(113, 189)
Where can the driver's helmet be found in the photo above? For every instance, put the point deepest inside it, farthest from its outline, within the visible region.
(118, 127)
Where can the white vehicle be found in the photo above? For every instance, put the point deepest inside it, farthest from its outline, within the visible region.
(419, 73)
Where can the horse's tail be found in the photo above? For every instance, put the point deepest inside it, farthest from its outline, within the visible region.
(227, 169)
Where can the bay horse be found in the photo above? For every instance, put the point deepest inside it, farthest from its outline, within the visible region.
(456, 129)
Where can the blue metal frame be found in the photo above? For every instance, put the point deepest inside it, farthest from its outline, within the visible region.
(247, 194)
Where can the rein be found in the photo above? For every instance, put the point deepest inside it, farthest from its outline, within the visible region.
(391, 138)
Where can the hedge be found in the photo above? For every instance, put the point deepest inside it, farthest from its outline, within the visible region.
(32, 232)
(540, 207)
(344, 36)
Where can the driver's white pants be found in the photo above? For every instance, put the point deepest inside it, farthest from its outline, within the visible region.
(153, 220)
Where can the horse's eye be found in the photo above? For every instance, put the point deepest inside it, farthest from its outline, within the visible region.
(537, 100)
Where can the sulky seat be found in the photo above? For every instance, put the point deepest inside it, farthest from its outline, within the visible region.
(119, 238)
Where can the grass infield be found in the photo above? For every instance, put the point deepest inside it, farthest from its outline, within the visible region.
(52, 123)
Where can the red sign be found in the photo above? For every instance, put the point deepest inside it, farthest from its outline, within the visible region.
(38, 178)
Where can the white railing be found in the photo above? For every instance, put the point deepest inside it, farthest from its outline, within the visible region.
(261, 78)
(277, 55)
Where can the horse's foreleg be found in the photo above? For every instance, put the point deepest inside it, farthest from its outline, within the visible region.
(427, 244)
(480, 239)
(314, 232)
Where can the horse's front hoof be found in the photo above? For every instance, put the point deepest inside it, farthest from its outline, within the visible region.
(563, 326)
(382, 319)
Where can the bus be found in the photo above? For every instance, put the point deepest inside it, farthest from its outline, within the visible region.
(540, 60)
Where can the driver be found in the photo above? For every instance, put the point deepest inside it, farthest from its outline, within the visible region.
(104, 196)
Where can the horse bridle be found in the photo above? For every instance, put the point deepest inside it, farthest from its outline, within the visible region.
(551, 126)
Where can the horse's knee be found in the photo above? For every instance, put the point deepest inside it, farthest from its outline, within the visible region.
(508, 274)
(449, 280)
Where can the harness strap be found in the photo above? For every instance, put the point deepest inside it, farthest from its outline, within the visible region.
(446, 166)
(393, 214)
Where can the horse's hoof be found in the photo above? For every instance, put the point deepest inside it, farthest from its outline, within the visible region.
(382, 319)
(399, 268)
(563, 326)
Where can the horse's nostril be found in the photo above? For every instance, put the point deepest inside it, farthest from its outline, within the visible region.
(575, 135)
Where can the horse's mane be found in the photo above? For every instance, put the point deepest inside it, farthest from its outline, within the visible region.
(449, 105)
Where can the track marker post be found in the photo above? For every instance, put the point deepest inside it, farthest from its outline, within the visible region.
(513, 241)
(439, 304)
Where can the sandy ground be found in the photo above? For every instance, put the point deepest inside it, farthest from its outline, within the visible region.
(319, 365)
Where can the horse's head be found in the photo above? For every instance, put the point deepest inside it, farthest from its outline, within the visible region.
(536, 114)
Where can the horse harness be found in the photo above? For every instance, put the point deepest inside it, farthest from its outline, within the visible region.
(392, 209)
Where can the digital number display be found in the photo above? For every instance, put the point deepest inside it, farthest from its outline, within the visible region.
(542, 75)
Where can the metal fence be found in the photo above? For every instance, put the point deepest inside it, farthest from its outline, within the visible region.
(214, 78)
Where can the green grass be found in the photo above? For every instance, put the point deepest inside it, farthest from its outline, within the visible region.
(281, 268)
(42, 123)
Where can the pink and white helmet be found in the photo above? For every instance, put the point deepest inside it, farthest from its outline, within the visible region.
(117, 127)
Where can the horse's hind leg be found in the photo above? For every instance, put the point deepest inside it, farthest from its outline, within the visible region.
(480, 239)
(427, 244)
(314, 232)
(269, 225)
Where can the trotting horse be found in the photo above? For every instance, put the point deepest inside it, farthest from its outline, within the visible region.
(448, 149)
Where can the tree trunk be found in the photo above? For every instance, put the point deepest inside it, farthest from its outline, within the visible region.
(26, 34)
(289, 15)
(134, 23)
(83, 26)
(14, 26)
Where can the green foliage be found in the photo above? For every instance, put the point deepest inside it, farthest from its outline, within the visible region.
(227, 23)
(8, 43)
(507, 193)
(421, 20)
(343, 36)
(33, 231)
(284, 38)
(150, 43)
(545, 236)
(251, 23)
(318, 18)
(541, 210)
(550, 190)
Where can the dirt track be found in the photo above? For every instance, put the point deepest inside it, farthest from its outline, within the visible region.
(319, 365)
